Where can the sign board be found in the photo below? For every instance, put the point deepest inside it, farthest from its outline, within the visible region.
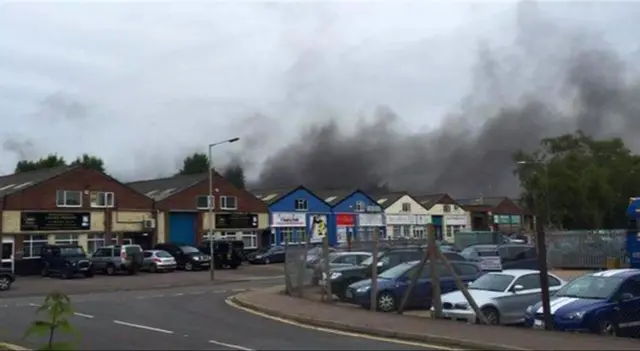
(288, 219)
(399, 219)
(318, 227)
(54, 221)
(374, 209)
(455, 219)
(370, 220)
(421, 219)
(345, 220)
(236, 221)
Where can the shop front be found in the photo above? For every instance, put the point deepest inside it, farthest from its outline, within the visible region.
(288, 226)
(345, 228)
(455, 223)
(399, 225)
(237, 226)
(369, 224)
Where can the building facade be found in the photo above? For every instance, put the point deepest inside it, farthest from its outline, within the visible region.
(68, 205)
(446, 214)
(183, 206)
(355, 215)
(496, 214)
(296, 214)
(404, 216)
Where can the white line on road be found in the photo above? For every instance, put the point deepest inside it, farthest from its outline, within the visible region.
(34, 305)
(231, 346)
(143, 327)
(83, 315)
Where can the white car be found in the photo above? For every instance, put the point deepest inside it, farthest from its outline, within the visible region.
(503, 297)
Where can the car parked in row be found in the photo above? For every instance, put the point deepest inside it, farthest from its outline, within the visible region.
(6, 279)
(187, 257)
(226, 253)
(394, 282)
(113, 259)
(65, 261)
(274, 254)
(339, 260)
(504, 256)
(158, 261)
(502, 297)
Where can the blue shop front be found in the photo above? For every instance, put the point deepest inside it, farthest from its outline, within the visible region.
(296, 213)
(354, 214)
(633, 233)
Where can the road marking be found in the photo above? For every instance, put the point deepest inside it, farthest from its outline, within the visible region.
(139, 326)
(179, 294)
(196, 293)
(231, 346)
(238, 290)
(83, 315)
(219, 291)
(34, 305)
(340, 332)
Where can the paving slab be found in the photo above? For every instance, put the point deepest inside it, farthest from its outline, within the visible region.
(442, 332)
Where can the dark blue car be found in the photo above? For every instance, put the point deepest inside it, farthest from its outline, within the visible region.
(393, 283)
(606, 303)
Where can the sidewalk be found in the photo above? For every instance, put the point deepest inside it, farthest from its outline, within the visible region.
(442, 332)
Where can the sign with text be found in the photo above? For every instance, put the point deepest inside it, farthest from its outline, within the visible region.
(345, 220)
(236, 221)
(370, 220)
(288, 219)
(54, 221)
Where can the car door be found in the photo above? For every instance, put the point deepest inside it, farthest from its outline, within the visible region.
(56, 260)
(514, 304)
(98, 258)
(629, 310)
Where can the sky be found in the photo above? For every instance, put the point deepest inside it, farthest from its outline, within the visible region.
(144, 84)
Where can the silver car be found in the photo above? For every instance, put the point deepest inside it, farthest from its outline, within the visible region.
(503, 297)
(158, 261)
(337, 260)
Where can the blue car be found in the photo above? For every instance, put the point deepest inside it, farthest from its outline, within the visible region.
(393, 283)
(606, 303)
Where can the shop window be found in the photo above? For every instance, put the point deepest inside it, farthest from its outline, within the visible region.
(94, 241)
(250, 240)
(301, 205)
(67, 239)
(32, 245)
(419, 232)
(293, 236)
(69, 198)
(205, 202)
(228, 203)
(102, 199)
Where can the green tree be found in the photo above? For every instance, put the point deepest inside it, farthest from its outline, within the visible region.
(235, 174)
(89, 161)
(57, 307)
(51, 161)
(579, 182)
(194, 164)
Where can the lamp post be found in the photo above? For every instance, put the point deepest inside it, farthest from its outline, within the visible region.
(210, 203)
(546, 190)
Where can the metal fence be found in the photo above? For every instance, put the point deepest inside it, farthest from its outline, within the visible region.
(585, 249)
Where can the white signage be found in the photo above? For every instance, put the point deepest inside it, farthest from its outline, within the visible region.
(399, 219)
(421, 219)
(318, 228)
(455, 220)
(370, 220)
(288, 219)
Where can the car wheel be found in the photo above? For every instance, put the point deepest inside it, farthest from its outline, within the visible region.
(188, 266)
(111, 269)
(267, 261)
(386, 302)
(67, 273)
(606, 328)
(491, 315)
(5, 283)
(153, 268)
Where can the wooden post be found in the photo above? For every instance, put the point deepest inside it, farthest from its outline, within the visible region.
(303, 265)
(374, 271)
(544, 276)
(414, 280)
(287, 269)
(327, 273)
(462, 287)
(436, 292)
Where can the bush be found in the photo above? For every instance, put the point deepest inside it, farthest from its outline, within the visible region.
(57, 307)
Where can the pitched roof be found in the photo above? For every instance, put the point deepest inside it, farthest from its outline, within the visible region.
(388, 199)
(160, 189)
(333, 197)
(490, 201)
(13, 183)
(429, 200)
(270, 196)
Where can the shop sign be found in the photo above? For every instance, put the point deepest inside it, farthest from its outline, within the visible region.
(421, 219)
(399, 219)
(236, 220)
(370, 220)
(288, 219)
(345, 220)
(54, 221)
(456, 220)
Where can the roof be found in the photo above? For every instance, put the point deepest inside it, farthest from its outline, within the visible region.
(491, 201)
(160, 189)
(622, 273)
(346, 253)
(333, 197)
(13, 183)
(270, 196)
(388, 199)
(429, 200)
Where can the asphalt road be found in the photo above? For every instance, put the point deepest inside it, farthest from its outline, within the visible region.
(193, 318)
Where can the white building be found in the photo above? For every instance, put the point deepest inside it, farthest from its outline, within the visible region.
(405, 217)
(447, 215)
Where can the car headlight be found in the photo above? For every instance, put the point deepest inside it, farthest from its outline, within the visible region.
(197, 258)
(259, 257)
(363, 289)
(336, 275)
(575, 315)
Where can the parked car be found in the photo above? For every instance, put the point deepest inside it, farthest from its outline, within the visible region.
(158, 261)
(274, 254)
(505, 256)
(118, 258)
(606, 303)
(65, 260)
(338, 260)
(393, 283)
(6, 279)
(502, 297)
(187, 257)
(316, 254)
(226, 253)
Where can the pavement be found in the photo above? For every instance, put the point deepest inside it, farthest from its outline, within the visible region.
(431, 331)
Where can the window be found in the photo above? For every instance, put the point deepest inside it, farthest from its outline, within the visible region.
(452, 230)
(466, 269)
(442, 271)
(69, 198)
(148, 254)
(32, 245)
(301, 205)
(102, 199)
(446, 208)
(553, 281)
(94, 241)
(202, 202)
(347, 259)
(228, 203)
(66, 239)
(360, 206)
(530, 281)
(406, 207)
(419, 232)
(452, 256)
(250, 240)
(104, 252)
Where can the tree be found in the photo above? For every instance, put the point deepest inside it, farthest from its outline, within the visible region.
(89, 161)
(235, 174)
(194, 164)
(579, 182)
(51, 161)
(57, 307)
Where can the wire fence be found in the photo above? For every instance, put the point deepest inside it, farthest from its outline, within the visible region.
(586, 249)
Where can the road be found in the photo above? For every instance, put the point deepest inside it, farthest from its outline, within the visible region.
(194, 318)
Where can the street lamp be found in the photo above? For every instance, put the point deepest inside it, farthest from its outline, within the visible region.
(546, 194)
(210, 202)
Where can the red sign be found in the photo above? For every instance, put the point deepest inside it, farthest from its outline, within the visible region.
(345, 220)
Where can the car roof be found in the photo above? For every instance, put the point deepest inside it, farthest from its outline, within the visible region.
(516, 272)
(622, 273)
(351, 253)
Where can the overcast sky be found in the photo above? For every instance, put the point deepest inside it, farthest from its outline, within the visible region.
(144, 84)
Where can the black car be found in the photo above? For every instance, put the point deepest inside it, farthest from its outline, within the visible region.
(275, 254)
(187, 257)
(6, 279)
(65, 261)
(226, 253)
(506, 256)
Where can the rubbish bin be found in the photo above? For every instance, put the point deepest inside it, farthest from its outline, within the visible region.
(613, 262)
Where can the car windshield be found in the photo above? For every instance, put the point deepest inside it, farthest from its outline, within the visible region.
(492, 282)
(71, 251)
(397, 271)
(189, 249)
(369, 260)
(163, 254)
(590, 287)
(275, 249)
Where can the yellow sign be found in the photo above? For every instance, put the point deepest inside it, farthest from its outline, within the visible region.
(320, 226)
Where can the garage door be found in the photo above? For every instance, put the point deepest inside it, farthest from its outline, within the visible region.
(182, 227)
